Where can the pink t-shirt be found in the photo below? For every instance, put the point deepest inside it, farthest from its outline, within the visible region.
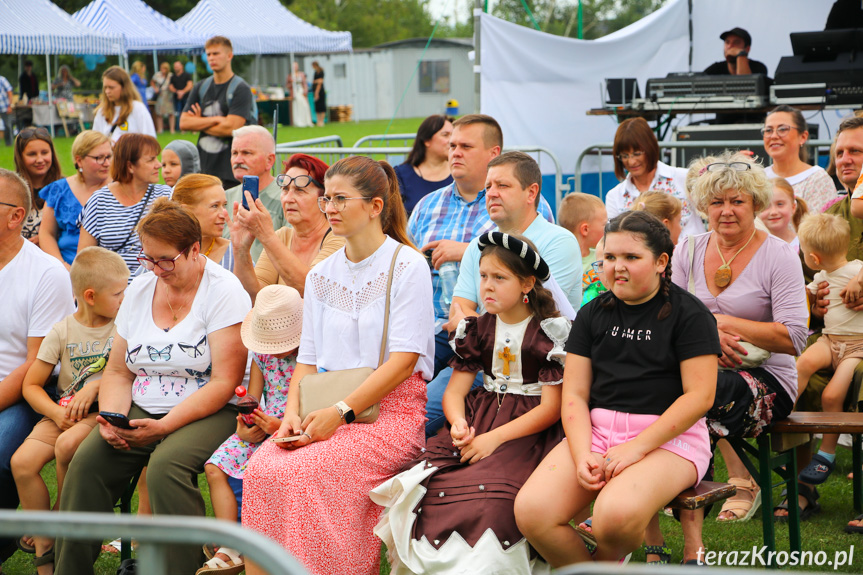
(770, 288)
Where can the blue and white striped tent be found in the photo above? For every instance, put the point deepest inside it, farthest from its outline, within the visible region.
(262, 27)
(40, 27)
(143, 28)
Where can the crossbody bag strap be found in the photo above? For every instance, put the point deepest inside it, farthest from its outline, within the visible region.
(690, 242)
(138, 219)
(387, 309)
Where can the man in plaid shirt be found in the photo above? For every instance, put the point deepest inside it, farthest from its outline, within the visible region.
(5, 109)
(445, 221)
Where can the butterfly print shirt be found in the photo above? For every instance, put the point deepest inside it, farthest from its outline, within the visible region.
(170, 366)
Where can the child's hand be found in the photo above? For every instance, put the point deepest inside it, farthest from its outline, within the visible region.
(79, 407)
(268, 423)
(590, 473)
(481, 447)
(620, 457)
(252, 434)
(461, 434)
(852, 291)
(59, 417)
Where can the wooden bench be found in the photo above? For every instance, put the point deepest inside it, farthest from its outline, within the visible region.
(774, 452)
(706, 493)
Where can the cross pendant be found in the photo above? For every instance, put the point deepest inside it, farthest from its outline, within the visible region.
(507, 358)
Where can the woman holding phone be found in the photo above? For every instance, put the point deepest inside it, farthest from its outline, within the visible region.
(175, 361)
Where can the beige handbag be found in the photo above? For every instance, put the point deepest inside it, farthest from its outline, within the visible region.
(755, 355)
(322, 390)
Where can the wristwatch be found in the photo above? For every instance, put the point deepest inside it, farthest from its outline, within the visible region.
(345, 412)
(742, 53)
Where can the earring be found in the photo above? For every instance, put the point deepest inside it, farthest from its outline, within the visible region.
(524, 299)
(80, 170)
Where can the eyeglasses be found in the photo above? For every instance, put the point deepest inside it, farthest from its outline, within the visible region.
(302, 181)
(633, 155)
(719, 166)
(101, 159)
(28, 133)
(597, 266)
(164, 265)
(338, 202)
(10, 205)
(781, 130)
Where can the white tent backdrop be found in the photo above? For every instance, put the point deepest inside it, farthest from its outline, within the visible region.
(539, 86)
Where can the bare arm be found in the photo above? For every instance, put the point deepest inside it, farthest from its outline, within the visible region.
(857, 207)
(772, 336)
(48, 235)
(10, 387)
(85, 240)
(226, 125)
(193, 120)
(459, 309)
(34, 393)
(244, 267)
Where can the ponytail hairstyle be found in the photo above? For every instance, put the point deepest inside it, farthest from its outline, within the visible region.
(656, 238)
(520, 256)
(800, 209)
(377, 180)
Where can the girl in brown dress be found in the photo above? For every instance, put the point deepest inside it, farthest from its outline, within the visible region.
(451, 510)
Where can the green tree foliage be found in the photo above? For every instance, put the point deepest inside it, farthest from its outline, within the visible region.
(601, 17)
(371, 22)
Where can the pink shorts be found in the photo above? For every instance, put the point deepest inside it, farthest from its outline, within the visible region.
(612, 428)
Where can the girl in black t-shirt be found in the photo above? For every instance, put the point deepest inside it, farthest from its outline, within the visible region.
(640, 375)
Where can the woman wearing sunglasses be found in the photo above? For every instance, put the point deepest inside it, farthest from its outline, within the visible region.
(785, 135)
(752, 282)
(65, 198)
(636, 163)
(36, 162)
(289, 252)
(174, 363)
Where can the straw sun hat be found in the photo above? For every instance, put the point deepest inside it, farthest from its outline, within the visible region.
(274, 324)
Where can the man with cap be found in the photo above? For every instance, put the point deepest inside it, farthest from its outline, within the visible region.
(737, 62)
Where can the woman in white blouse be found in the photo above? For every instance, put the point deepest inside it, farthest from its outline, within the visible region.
(636, 155)
(345, 296)
(174, 363)
(121, 110)
(785, 135)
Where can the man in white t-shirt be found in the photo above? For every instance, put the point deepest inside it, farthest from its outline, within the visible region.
(37, 293)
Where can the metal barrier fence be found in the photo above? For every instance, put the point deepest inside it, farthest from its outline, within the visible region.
(597, 150)
(153, 534)
(384, 140)
(319, 144)
(641, 569)
(394, 154)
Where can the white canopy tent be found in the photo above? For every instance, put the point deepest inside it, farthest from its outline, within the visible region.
(40, 27)
(143, 29)
(539, 86)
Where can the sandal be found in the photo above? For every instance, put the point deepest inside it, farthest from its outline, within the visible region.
(214, 566)
(662, 551)
(855, 528)
(818, 470)
(810, 494)
(42, 560)
(585, 530)
(25, 547)
(743, 509)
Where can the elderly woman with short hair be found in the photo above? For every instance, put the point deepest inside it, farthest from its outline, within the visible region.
(753, 284)
(636, 162)
(175, 361)
(291, 251)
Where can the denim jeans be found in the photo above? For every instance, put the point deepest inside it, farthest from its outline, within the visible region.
(16, 423)
(442, 351)
(8, 126)
(434, 407)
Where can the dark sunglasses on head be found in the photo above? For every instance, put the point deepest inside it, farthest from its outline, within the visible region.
(28, 133)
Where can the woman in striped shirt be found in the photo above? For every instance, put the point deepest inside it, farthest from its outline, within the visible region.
(111, 214)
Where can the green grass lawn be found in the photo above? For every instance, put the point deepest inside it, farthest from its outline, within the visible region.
(349, 132)
(823, 532)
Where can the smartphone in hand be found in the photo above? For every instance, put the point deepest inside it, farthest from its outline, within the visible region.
(116, 419)
(250, 184)
(286, 439)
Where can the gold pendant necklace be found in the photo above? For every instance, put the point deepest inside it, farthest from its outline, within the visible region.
(722, 277)
(168, 299)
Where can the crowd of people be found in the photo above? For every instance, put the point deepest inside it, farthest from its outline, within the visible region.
(503, 374)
